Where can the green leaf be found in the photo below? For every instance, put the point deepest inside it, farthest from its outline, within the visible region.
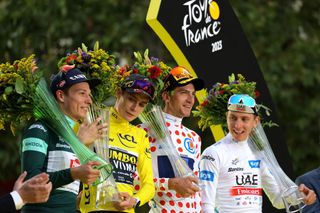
(96, 46)
(138, 56)
(8, 90)
(19, 86)
(84, 47)
(146, 57)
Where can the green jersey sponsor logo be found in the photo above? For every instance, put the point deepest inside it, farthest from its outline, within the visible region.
(34, 144)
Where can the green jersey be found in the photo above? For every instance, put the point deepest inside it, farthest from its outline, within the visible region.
(44, 151)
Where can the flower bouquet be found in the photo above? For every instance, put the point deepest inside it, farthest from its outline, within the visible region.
(290, 194)
(95, 64)
(152, 117)
(212, 111)
(17, 84)
(98, 64)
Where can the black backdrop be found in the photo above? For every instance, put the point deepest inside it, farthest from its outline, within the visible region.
(214, 46)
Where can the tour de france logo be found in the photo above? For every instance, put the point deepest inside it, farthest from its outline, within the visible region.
(214, 10)
(201, 22)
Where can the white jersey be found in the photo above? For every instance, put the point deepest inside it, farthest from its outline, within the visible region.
(188, 145)
(233, 179)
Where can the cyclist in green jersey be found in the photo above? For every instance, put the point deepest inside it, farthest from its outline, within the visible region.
(44, 151)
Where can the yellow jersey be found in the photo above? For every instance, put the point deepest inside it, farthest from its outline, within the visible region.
(129, 154)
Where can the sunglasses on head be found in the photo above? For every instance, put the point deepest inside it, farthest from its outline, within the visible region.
(180, 73)
(143, 85)
(244, 100)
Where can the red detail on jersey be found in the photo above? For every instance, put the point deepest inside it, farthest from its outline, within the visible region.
(180, 204)
(188, 205)
(178, 141)
(162, 180)
(169, 194)
(153, 149)
(177, 132)
(167, 124)
(164, 211)
(245, 191)
(162, 202)
(171, 202)
(137, 187)
(180, 149)
(74, 163)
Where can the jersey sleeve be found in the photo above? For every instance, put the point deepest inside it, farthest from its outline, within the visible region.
(271, 188)
(209, 174)
(145, 172)
(34, 151)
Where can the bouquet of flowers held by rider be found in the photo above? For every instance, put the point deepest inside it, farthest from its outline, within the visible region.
(152, 117)
(212, 111)
(98, 64)
(25, 97)
(17, 84)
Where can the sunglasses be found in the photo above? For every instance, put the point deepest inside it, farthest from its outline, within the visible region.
(141, 85)
(240, 99)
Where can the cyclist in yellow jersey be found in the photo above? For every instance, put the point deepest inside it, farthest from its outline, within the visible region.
(128, 149)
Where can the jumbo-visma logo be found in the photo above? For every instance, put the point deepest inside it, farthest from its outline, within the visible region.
(201, 22)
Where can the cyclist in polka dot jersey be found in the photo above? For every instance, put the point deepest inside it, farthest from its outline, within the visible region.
(177, 194)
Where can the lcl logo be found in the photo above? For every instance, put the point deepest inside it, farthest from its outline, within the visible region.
(124, 139)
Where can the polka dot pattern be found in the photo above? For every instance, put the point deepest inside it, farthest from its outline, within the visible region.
(153, 149)
(137, 187)
(188, 144)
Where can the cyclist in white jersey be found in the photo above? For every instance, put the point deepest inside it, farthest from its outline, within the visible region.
(233, 177)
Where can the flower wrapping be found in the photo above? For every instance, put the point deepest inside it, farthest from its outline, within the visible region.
(259, 144)
(48, 111)
(154, 120)
(106, 191)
